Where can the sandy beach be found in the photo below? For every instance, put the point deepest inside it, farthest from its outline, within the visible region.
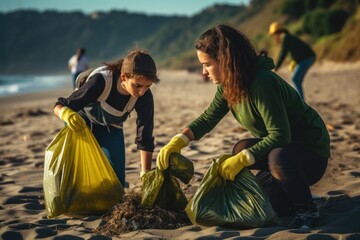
(28, 125)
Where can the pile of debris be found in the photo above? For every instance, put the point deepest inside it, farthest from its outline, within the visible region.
(128, 215)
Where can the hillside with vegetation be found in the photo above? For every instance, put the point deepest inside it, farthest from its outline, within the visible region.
(332, 27)
(42, 42)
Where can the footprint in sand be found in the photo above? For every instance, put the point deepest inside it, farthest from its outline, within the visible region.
(38, 147)
(6, 123)
(16, 160)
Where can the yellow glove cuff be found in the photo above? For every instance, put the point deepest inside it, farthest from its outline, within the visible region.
(183, 137)
(142, 173)
(250, 160)
(61, 112)
(230, 167)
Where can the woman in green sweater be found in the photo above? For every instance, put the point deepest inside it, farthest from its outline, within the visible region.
(291, 145)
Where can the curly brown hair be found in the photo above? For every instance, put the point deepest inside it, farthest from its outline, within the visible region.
(236, 57)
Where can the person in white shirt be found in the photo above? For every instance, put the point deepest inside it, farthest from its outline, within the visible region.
(78, 63)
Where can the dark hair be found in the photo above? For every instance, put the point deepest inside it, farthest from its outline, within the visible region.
(236, 57)
(80, 52)
(116, 66)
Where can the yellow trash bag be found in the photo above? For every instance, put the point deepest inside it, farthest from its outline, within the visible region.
(78, 178)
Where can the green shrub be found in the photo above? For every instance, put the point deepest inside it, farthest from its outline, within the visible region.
(311, 5)
(293, 8)
(325, 3)
(336, 20)
(322, 22)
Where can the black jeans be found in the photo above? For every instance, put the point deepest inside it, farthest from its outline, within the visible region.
(287, 174)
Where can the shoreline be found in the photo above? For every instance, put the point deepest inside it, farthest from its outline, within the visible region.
(29, 98)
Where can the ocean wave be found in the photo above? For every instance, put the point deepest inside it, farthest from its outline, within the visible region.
(17, 84)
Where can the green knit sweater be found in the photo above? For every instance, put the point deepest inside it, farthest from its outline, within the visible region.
(273, 112)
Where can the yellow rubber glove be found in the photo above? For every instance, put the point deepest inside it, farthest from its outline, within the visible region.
(178, 142)
(233, 165)
(292, 66)
(72, 119)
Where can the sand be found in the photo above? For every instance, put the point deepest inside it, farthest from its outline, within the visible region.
(28, 126)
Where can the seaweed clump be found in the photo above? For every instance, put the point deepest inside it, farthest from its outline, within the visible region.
(128, 215)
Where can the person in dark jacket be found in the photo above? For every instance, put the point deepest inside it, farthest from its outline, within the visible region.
(105, 101)
(303, 56)
(291, 145)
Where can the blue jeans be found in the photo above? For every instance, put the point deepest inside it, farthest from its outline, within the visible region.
(112, 143)
(287, 174)
(299, 74)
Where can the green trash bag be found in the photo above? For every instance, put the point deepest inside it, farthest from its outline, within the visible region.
(162, 188)
(240, 204)
(78, 178)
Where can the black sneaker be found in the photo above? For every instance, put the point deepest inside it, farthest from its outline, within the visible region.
(305, 219)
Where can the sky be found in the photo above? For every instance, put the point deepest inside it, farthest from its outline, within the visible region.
(151, 7)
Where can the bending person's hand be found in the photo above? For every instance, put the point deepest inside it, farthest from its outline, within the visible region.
(233, 165)
(72, 119)
(178, 142)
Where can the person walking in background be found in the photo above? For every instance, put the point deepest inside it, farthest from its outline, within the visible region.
(291, 145)
(303, 56)
(105, 101)
(78, 63)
